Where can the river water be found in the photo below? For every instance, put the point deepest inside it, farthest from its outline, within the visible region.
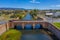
(35, 37)
(31, 35)
(27, 17)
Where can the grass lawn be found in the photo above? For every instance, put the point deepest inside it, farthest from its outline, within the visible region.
(57, 24)
(11, 35)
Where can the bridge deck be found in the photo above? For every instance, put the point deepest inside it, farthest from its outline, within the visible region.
(28, 21)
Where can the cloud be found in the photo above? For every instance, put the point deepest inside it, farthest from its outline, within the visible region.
(55, 5)
(34, 1)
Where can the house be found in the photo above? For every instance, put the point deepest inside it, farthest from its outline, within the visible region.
(49, 14)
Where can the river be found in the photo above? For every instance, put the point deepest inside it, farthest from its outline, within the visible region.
(35, 35)
(30, 35)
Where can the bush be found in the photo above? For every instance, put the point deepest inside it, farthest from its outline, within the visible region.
(11, 35)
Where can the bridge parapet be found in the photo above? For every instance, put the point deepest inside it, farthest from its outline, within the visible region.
(33, 23)
(54, 30)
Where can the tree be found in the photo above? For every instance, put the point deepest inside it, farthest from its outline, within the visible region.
(34, 12)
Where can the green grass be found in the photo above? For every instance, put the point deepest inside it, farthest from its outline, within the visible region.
(57, 24)
(11, 35)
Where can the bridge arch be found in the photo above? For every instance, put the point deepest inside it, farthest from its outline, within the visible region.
(18, 27)
(28, 27)
(38, 26)
(32, 23)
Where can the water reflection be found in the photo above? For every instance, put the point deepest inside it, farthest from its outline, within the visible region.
(28, 33)
(40, 36)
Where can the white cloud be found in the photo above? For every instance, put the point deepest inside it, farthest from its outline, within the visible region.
(34, 1)
(55, 5)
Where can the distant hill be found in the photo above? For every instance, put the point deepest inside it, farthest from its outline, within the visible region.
(12, 9)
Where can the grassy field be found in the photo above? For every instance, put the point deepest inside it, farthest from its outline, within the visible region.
(11, 35)
(57, 24)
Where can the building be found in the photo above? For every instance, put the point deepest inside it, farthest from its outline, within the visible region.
(49, 14)
(56, 14)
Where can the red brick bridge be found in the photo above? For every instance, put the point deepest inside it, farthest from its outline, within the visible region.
(23, 23)
(13, 23)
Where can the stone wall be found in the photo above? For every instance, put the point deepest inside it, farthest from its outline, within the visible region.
(54, 30)
(4, 27)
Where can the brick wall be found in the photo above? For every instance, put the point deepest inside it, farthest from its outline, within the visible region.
(4, 27)
(54, 30)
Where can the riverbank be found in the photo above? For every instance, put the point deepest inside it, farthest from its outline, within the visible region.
(57, 25)
(11, 34)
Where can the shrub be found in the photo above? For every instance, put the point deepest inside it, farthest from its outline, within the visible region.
(11, 35)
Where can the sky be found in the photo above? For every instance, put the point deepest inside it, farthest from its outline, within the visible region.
(30, 4)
